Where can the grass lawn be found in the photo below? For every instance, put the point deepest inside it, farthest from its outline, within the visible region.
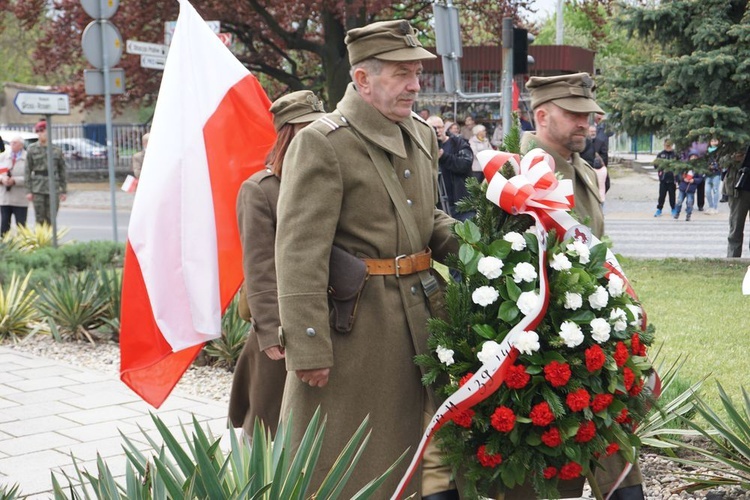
(699, 311)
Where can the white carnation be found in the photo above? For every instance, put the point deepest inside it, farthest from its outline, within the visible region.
(619, 319)
(573, 301)
(527, 342)
(490, 350)
(581, 250)
(599, 298)
(527, 302)
(636, 310)
(571, 333)
(484, 296)
(524, 272)
(491, 267)
(445, 355)
(600, 330)
(560, 262)
(616, 285)
(516, 240)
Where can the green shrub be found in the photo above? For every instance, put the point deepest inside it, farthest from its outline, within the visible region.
(29, 239)
(17, 311)
(73, 304)
(80, 256)
(265, 469)
(225, 350)
(9, 492)
(110, 287)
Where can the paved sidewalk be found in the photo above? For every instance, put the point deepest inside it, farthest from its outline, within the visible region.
(49, 410)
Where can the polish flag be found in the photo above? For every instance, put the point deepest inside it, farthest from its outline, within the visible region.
(129, 184)
(183, 263)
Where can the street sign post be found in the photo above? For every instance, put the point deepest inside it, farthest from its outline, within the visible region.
(146, 48)
(102, 44)
(93, 81)
(42, 103)
(100, 9)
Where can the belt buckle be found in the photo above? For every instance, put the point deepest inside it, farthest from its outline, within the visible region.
(402, 256)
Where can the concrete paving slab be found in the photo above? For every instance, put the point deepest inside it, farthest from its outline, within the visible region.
(29, 426)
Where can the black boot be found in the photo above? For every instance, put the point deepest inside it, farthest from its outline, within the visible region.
(634, 492)
(443, 495)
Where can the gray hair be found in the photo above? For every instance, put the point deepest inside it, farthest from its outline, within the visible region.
(372, 66)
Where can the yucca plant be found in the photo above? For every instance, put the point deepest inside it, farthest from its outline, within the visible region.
(234, 331)
(727, 458)
(17, 310)
(9, 492)
(110, 286)
(265, 469)
(667, 417)
(27, 239)
(73, 305)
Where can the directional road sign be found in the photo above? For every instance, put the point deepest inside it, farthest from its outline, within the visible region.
(153, 62)
(169, 27)
(146, 48)
(42, 103)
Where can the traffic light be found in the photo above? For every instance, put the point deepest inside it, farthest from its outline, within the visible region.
(521, 57)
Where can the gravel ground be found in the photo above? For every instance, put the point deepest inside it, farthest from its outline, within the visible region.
(662, 481)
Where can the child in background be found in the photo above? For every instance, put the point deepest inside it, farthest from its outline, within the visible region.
(667, 184)
(689, 182)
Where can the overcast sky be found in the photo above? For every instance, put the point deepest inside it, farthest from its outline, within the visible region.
(545, 8)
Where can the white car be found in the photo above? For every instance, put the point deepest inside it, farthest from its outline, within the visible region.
(28, 137)
(79, 148)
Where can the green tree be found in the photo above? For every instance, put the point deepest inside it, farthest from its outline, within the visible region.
(698, 84)
(16, 47)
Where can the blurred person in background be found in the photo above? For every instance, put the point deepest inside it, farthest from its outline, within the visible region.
(37, 176)
(13, 192)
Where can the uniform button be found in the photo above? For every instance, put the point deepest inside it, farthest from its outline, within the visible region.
(413, 289)
(409, 202)
(310, 332)
(407, 173)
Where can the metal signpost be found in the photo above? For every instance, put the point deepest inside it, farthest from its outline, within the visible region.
(47, 104)
(102, 46)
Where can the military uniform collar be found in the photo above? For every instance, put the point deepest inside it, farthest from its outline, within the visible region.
(375, 127)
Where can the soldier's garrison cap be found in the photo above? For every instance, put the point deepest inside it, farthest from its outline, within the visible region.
(570, 92)
(387, 41)
(302, 106)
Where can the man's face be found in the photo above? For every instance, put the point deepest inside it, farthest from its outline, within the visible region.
(437, 123)
(16, 145)
(394, 91)
(42, 134)
(592, 132)
(564, 129)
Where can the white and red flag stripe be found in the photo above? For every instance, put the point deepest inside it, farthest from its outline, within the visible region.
(128, 185)
(183, 264)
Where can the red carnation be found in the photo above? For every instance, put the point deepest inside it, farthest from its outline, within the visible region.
(517, 378)
(463, 419)
(578, 400)
(637, 388)
(594, 358)
(612, 449)
(465, 379)
(571, 470)
(586, 432)
(557, 374)
(629, 377)
(503, 419)
(541, 415)
(487, 459)
(601, 402)
(550, 472)
(551, 437)
(623, 417)
(621, 354)
(636, 347)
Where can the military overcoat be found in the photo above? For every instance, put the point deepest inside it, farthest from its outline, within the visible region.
(37, 179)
(588, 204)
(331, 194)
(258, 380)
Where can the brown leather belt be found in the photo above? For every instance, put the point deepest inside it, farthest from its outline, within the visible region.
(402, 265)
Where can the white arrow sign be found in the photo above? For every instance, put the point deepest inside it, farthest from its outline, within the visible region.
(146, 49)
(42, 103)
(153, 62)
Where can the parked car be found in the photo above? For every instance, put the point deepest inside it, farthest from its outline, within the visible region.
(80, 148)
(28, 137)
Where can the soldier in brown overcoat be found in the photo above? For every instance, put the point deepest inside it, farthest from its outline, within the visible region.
(364, 178)
(260, 372)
